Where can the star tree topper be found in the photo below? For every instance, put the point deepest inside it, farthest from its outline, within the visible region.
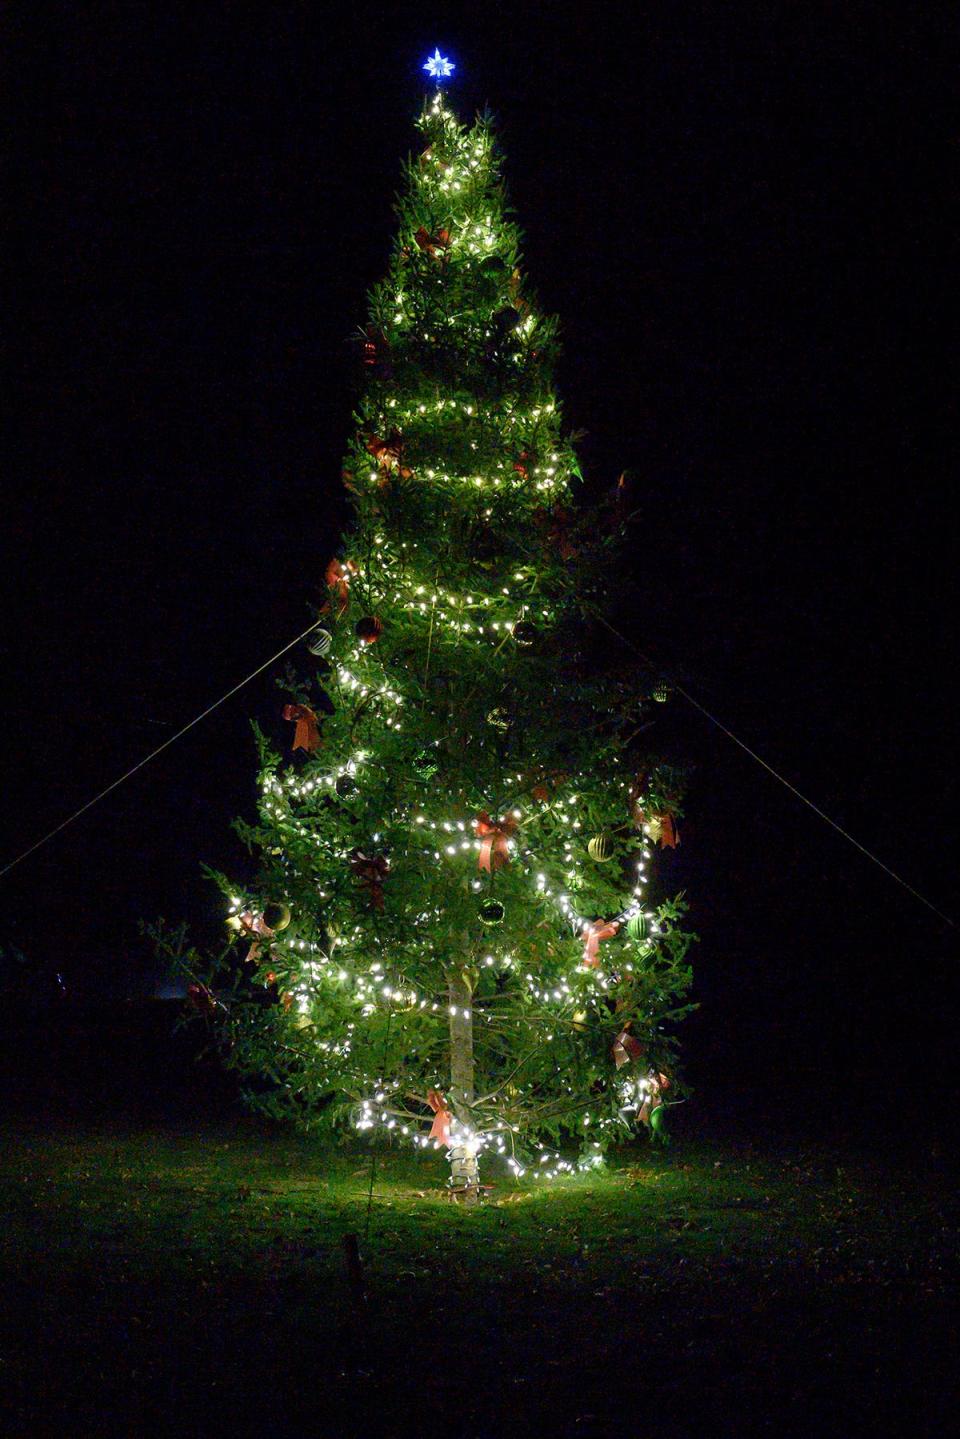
(438, 67)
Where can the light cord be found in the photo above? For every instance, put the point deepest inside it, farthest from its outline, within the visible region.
(153, 754)
(777, 776)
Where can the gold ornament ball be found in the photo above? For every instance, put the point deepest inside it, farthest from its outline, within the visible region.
(276, 917)
(600, 848)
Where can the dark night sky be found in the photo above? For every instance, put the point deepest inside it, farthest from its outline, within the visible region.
(737, 213)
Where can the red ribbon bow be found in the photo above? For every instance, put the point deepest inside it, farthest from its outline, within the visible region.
(440, 1129)
(555, 530)
(626, 1047)
(337, 578)
(494, 851)
(432, 243)
(371, 870)
(307, 733)
(520, 464)
(253, 925)
(199, 996)
(387, 452)
(593, 931)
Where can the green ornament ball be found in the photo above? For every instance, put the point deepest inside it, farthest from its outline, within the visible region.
(524, 633)
(638, 927)
(600, 848)
(661, 693)
(492, 912)
(499, 718)
(658, 1123)
(346, 785)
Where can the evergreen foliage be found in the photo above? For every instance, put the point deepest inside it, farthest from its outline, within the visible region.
(468, 743)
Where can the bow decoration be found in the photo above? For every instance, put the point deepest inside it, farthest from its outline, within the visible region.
(432, 244)
(337, 579)
(371, 870)
(387, 452)
(440, 1129)
(594, 930)
(306, 736)
(255, 927)
(494, 834)
(626, 1047)
(200, 998)
(556, 528)
(520, 464)
(653, 1108)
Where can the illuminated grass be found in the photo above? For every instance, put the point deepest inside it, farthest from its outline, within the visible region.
(206, 1271)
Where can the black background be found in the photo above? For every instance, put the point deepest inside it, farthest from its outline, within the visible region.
(736, 212)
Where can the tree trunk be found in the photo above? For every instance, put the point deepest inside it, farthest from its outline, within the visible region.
(464, 1170)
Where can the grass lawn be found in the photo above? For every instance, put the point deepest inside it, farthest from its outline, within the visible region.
(157, 1281)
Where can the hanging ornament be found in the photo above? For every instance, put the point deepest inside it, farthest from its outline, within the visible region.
(346, 785)
(371, 871)
(494, 835)
(638, 927)
(425, 763)
(593, 931)
(657, 1123)
(440, 1129)
(492, 912)
(319, 642)
(369, 629)
(306, 736)
(376, 352)
(600, 848)
(499, 718)
(504, 322)
(662, 830)
(524, 633)
(276, 917)
(493, 266)
(627, 1048)
(579, 1020)
(370, 353)
(661, 693)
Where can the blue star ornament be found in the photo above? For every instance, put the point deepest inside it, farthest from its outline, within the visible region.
(438, 67)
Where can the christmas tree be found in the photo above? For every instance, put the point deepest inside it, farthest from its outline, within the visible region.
(449, 937)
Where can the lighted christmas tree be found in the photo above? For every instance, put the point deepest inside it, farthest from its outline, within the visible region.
(449, 935)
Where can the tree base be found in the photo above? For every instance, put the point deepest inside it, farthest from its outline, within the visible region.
(464, 1175)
